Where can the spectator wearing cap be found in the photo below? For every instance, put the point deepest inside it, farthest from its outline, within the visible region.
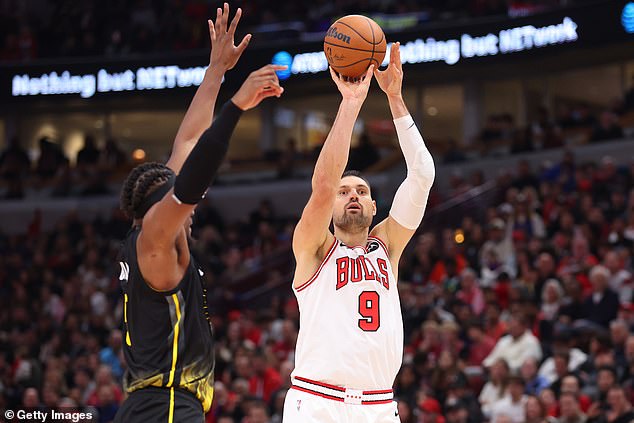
(430, 411)
(512, 405)
(517, 346)
(602, 306)
(497, 254)
(534, 383)
(570, 411)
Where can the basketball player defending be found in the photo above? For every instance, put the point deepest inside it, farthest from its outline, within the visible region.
(350, 342)
(168, 339)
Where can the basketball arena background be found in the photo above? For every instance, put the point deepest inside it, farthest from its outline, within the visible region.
(528, 110)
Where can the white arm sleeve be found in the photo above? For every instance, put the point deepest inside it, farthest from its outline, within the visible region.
(411, 197)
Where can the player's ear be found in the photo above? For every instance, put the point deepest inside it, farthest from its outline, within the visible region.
(373, 207)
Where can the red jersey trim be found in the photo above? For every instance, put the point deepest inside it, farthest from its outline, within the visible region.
(322, 384)
(321, 266)
(319, 394)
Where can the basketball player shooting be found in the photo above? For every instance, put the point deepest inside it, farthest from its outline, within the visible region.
(350, 342)
(168, 345)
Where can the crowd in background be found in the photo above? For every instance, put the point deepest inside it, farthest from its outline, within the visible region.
(523, 316)
(49, 172)
(570, 124)
(44, 28)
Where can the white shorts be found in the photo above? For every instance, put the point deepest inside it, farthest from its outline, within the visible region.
(303, 407)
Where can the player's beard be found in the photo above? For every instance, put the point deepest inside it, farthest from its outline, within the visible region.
(352, 222)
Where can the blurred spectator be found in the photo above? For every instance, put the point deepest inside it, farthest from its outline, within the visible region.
(430, 411)
(497, 255)
(496, 387)
(608, 128)
(534, 383)
(603, 305)
(513, 405)
(51, 159)
(570, 410)
(287, 160)
(363, 155)
(519, 345)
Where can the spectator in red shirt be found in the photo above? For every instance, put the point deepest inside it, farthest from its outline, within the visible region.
(481, 344)
(265, 379)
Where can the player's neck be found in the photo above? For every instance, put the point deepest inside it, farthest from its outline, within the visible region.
(352, 239)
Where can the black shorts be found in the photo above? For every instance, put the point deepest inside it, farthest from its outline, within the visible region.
(156, 405)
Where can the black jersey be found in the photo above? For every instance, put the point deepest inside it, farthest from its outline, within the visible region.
(168, 336)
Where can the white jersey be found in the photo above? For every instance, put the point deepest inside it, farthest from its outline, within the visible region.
(351, 328)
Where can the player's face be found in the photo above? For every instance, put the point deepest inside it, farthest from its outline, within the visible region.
(354, 207)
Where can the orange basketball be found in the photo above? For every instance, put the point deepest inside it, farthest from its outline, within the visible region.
(353, 43)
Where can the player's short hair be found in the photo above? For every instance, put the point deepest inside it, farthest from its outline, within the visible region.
(142, 181)
(356, 173)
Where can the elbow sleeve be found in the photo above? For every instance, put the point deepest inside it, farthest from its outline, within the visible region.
(411, 197)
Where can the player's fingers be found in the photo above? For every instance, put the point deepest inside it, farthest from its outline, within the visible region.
(244, 43)
(225, 16)
(218, 19)
(234, 22)
(399, 64)
(212, 30)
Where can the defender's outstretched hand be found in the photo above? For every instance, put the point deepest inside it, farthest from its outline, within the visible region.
(223, 51)
(353, 90)
(260, 84)
(391, 79)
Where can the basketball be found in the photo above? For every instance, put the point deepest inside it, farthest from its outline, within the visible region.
(353, 43)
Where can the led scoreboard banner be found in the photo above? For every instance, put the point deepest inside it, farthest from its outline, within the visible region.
(501, 41)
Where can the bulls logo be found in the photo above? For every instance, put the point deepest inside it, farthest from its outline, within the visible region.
(354, 270)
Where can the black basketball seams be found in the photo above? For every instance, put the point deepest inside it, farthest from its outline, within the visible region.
(362, 37)
(353, 48)
(373, 39)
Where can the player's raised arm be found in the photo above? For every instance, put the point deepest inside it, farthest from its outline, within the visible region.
(160, 262)
(224, 56)
(410, 201)
(312, 234)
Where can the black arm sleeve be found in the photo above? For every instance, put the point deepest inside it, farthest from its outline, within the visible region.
(202, 164)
